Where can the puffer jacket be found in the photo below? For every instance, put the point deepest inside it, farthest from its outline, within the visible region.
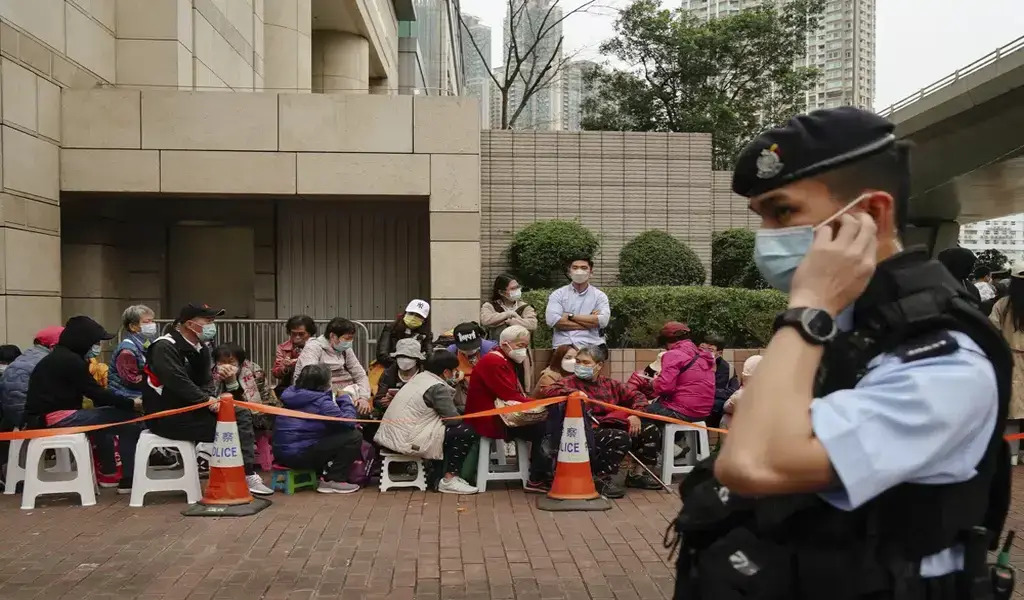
(293, 435)
(15, 382)
(688, 390)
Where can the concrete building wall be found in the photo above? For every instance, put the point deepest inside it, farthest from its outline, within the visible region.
(288, 145)
(616, 184)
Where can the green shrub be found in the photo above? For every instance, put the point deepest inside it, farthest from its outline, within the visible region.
(743, 317)
(656, 258)
(732, 251)
(540, 252)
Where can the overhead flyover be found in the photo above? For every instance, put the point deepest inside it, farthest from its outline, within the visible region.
(968, 135)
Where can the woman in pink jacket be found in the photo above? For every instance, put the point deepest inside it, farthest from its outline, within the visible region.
(686, 384)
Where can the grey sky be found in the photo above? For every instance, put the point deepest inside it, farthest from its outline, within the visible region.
(918, 41)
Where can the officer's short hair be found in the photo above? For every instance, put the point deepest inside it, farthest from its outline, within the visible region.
(886, 171)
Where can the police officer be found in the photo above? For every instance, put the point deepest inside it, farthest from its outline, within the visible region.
(866, 461)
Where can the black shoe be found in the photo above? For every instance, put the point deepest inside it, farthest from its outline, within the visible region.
(165, 461)
(642, 481)
(124, 487)
(537, 487)
(608, 488)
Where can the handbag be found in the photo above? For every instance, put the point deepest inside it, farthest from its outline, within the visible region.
(522, 418)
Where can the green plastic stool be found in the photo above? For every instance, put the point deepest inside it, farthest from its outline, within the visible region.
(290, 480)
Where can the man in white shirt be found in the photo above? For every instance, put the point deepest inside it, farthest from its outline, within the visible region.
(579, 311)
(983, 281)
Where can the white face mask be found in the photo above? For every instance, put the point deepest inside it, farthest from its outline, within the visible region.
(580, 275)
(148, 329)
(517, 354)
(569, 365)
(515, 294)
(406, 364)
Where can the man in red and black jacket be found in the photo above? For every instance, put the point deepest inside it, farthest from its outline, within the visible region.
(494, 378)
(616, 430)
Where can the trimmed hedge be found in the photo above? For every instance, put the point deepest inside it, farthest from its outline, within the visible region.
(656, 258)
(732, 251)
(744, 317)
(540, 252)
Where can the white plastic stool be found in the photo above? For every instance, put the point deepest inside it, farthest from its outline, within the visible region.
(145, 480)
(82, 481)
(700, 448)
(483, 464)
(15, 474)
(386, 483)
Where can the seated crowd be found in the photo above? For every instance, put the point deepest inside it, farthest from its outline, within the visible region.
(418, 386)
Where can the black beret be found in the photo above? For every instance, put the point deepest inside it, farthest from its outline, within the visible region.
(809, 145)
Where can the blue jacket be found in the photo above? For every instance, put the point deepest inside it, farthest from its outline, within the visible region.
(15, 383)
(136, 345)
(293, 435)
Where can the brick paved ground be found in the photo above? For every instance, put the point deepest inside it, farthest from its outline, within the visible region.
(399, 546)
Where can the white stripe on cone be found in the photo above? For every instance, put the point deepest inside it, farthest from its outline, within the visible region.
(226, 451)
(573, 447)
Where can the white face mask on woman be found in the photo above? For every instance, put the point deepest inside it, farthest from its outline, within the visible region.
(406, 364)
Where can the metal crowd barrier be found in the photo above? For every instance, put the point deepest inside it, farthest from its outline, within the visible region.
(260, 337)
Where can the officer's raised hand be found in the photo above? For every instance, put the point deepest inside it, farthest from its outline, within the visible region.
(838, 266)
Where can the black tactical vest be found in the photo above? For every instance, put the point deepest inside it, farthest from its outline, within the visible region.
(798, 546)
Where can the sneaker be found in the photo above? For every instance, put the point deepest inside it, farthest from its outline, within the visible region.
(337, 487)
(537, 487)
(106, 481)
(256, 485)
(164, 460)
(124, 487)
(608, 488)
(642, 481)
(455, 485)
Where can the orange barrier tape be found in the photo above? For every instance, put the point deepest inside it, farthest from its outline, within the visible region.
(507, 410)
(30, 434)
(644, 415)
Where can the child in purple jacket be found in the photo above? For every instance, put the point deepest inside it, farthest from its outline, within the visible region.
(329, 447)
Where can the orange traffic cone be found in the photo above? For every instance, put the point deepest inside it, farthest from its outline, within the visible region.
(573, 488)
(227, 493)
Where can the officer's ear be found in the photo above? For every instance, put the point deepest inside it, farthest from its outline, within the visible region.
(881, 206)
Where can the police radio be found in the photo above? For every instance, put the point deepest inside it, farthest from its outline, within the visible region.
(1002, 572)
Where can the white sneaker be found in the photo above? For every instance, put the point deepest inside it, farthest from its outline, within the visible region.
(256, 485)
(455, 485)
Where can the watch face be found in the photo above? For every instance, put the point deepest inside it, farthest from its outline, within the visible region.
(819, 324)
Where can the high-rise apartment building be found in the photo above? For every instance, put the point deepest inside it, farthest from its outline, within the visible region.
(575, 90)
(476, 41)
(537, 19)
(842, 48)
(1005, 234)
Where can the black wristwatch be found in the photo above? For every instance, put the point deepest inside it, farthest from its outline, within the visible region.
(815, 325)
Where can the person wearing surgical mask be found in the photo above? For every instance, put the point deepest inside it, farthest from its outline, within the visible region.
(562, 364)
(413, 323)
(58, 385)
(506, 307)
(128, 360)
(578, 312)
(494, 378)
(334, 349)
(408, 363)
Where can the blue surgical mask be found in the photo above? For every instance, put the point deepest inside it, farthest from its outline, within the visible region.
(778, 252)
(93, 352)
(584, 372)
(343, 346)
(209, 332)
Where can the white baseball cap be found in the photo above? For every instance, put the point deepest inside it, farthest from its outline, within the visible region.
(419, 307)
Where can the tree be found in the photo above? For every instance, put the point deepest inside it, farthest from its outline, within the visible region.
(731, 77)
(533, 55)
(732, 260)
(656, 258)
(540, 252)
(992, 259)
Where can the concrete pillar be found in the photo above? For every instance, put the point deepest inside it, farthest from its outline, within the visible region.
(287, 33)
(341, 63)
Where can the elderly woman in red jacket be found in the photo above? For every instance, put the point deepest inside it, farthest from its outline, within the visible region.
(494, 378)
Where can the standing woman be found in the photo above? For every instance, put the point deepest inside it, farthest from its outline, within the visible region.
(507, 308)
(1008, 316)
